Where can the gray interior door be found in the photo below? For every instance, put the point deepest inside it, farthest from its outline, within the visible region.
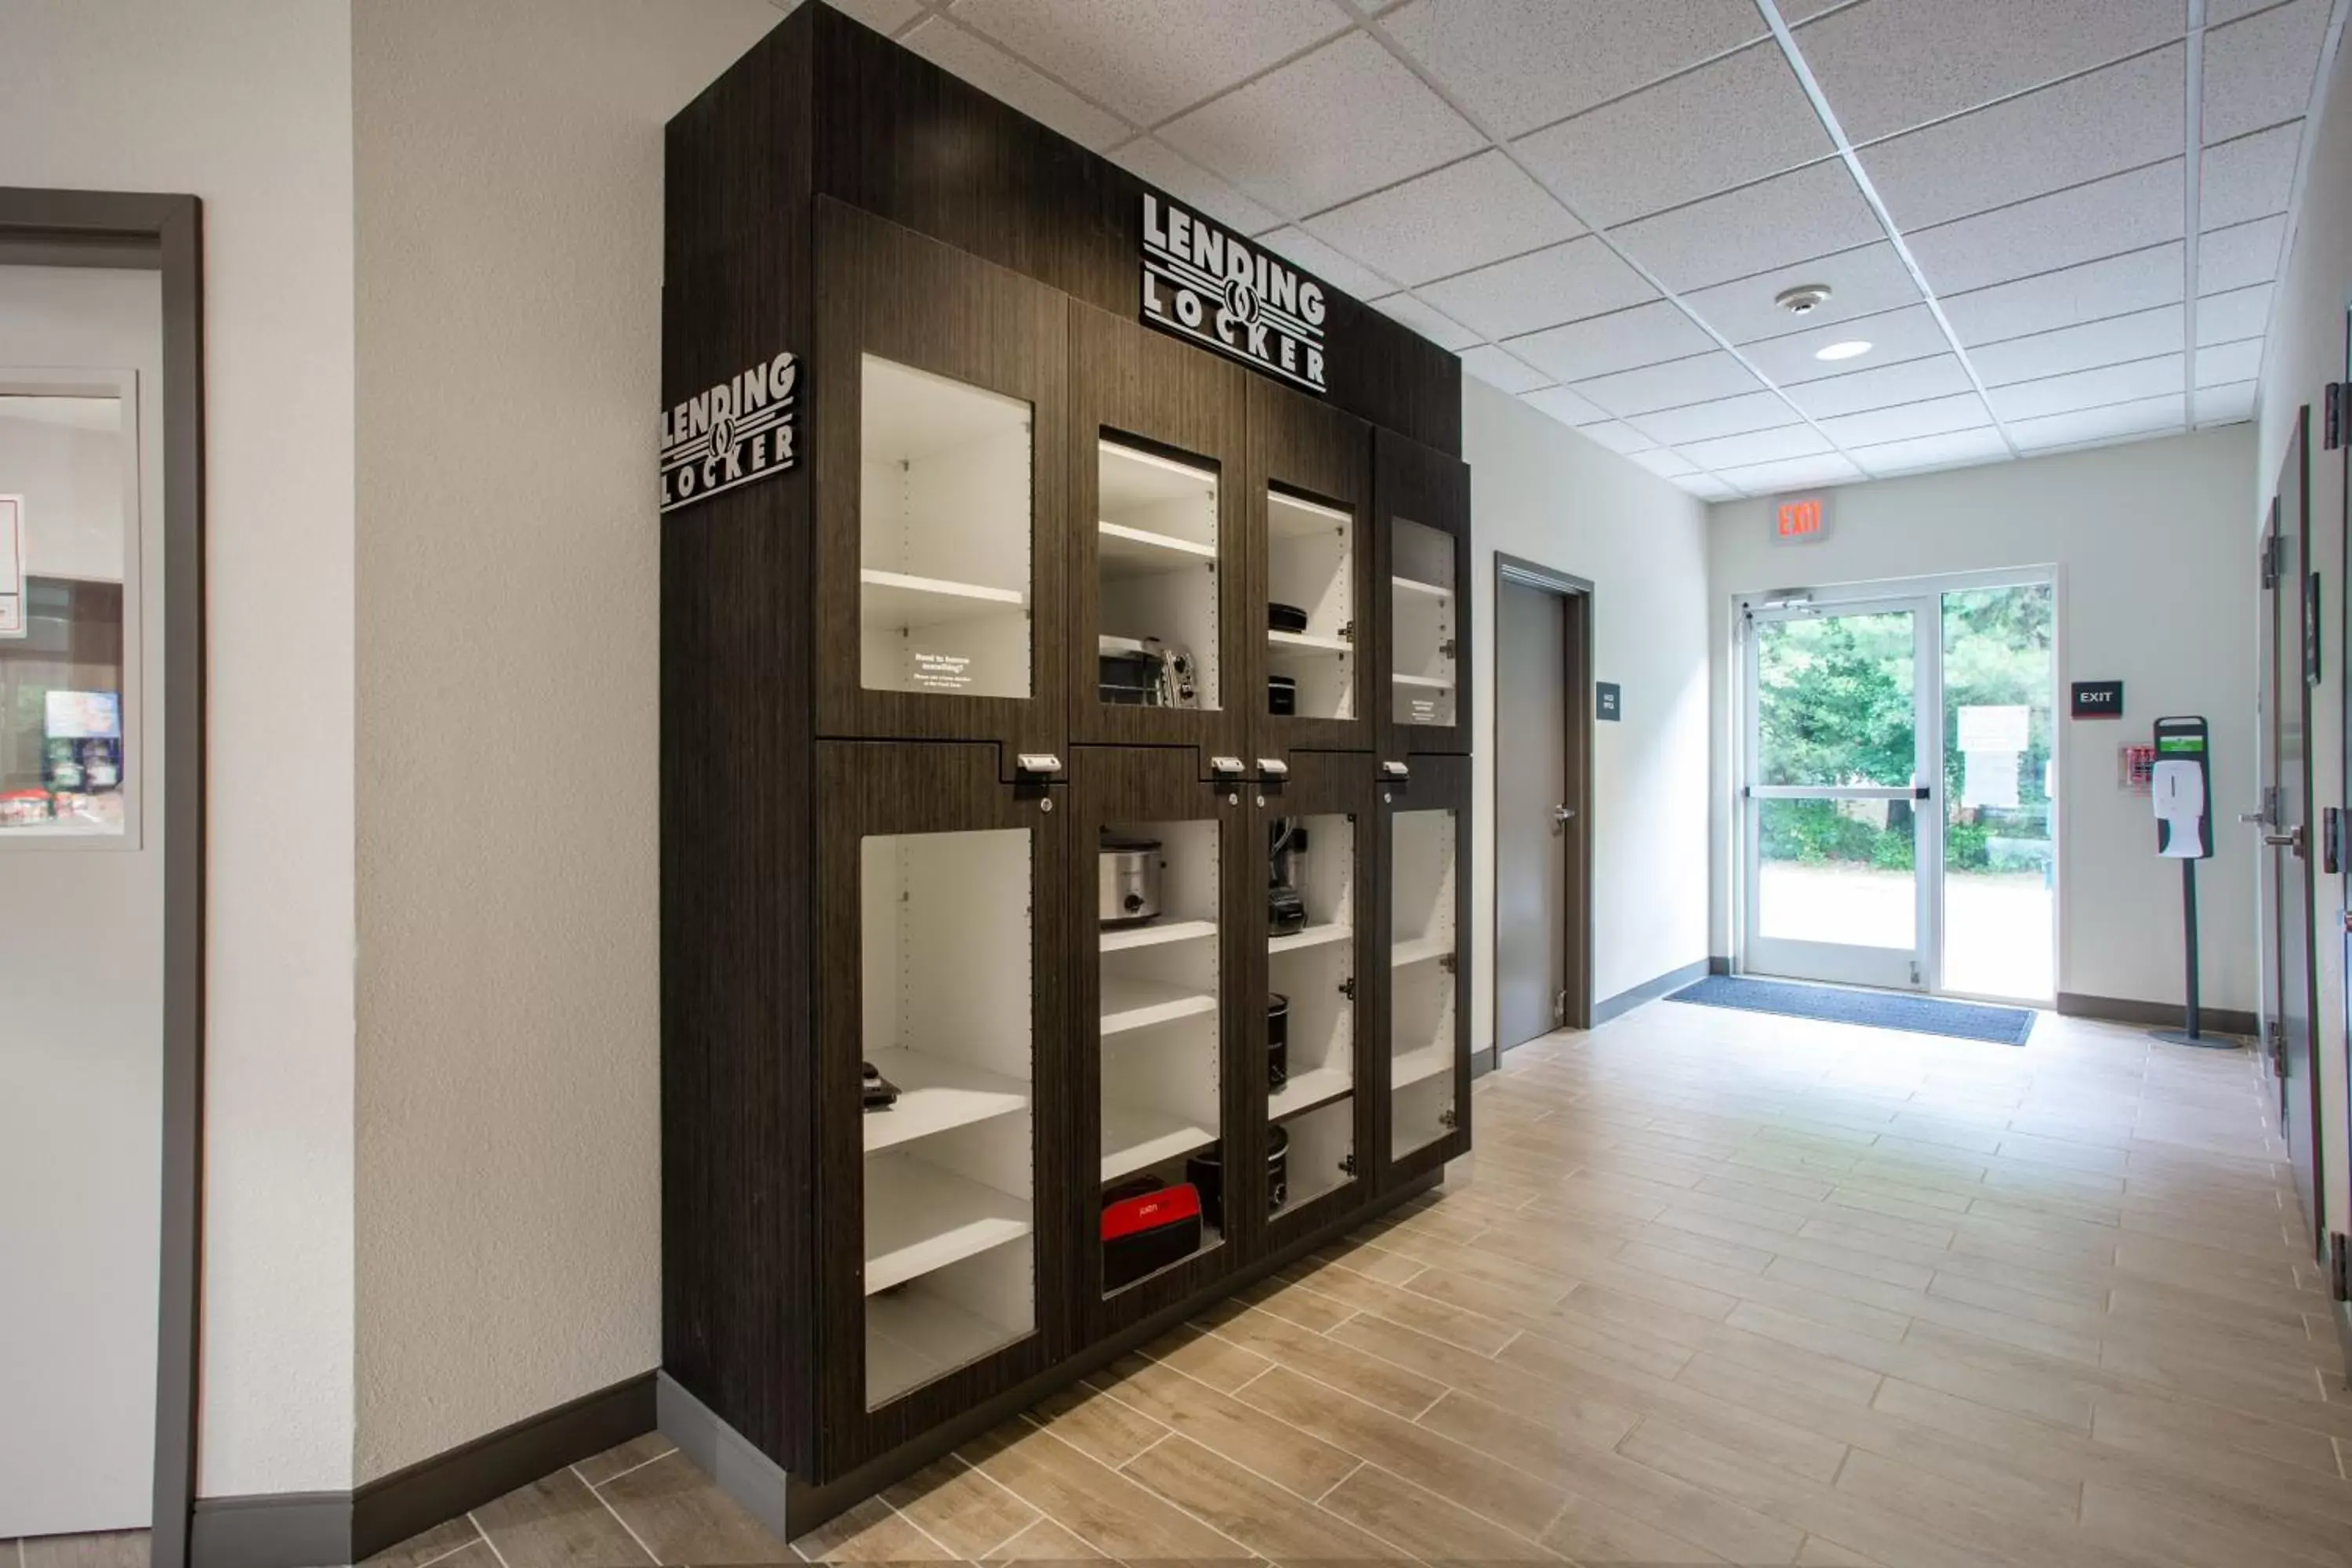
(2295, 653)
(1531, 792)
(2268, 899)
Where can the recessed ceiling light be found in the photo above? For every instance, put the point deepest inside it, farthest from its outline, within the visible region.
(1852, 348)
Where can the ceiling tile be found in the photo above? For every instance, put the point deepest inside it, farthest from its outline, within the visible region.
(2068, 296)
(1189, 182)
(1792, 473)
(1862, 282)
(2087, 388)
(1429, 323)
(1448, 220)
(2143, 334)
(1621, 340)
(2141, 416)
(1565, 283)
(1495, 368)
(2225, 363)
(1935, 417)
(1706, 487)
(1699, 379)
(1756, 446)
(1519, 64)
(2239, 257)
(1348, 118)
(1806, 212)
(990, 70)
(2123, 212)
(1725, 416)
(2219, 10)
(2225, 405)
(2240, 313)
(1913, 382)
(1892, 64)
(1648, 152)
(2259, 71)
(1566, 407)
(2249, 178)
(1344, 273)
(1152, 57)
(2066, 134)
(1894, 336)
(1951, 451)
(1670, 465)
(1621, 439)
(882, 15)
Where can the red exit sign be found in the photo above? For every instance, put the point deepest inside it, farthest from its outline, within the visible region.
(1800, 519)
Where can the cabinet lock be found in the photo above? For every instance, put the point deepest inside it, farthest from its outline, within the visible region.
(1037, 763)
(1273, 767)
(1225, 764)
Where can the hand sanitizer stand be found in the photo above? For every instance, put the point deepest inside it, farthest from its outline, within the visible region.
(2183, 790)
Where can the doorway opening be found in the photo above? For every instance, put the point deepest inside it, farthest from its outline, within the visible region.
(1898, 810)
(1542, 805)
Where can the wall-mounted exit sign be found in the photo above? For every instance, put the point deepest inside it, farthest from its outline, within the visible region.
(1800, 519)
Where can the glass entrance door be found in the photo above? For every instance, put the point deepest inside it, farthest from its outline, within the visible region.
(1842, 763)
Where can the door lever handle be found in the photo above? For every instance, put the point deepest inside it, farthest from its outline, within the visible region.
(1563, 813)
(2253, 816)
(2286, 840)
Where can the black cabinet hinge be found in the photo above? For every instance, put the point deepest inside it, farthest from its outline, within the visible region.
(1447, 648)
(2331, 840)
(1347, 1164)
(1348, 988)
(2339, 1267)
(2273, 558)
(2335, 413)
(1448, 961)
(1446, 1118)
(1348, 632)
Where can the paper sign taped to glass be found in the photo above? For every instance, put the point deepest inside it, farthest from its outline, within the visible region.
(2177, 787)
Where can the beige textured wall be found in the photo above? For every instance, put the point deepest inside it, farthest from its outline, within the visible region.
(507, 166)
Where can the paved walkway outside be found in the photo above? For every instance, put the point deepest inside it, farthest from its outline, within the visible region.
(1998, 936)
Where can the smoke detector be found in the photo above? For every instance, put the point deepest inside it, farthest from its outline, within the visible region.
(1803, 300)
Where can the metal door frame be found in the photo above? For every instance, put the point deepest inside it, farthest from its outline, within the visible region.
(1854, 598)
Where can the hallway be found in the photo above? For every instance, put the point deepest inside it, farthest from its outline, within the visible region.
(1721, 1287)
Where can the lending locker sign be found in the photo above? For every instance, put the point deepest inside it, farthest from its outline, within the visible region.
(1203, 281)
(741, 430)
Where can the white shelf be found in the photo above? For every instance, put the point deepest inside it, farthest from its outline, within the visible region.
(915, 1336)
(935, 1095)
(918, 1218)
(1432, 682)
(1313, 936)
(1138, 552)
(1287, 517)
(1128, 938)
(1413, 1066)
(895, 599)
(1414, 588)
(1306, 1091)
(1419, 950)
(1139, 1004)
(1135, 1137)
(1308, 642)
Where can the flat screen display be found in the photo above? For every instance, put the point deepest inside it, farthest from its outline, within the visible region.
(84, 715)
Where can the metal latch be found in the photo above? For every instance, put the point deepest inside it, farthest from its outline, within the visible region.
(1395, 770)
(1037, 763)
(1273, 767)
(1225, 764)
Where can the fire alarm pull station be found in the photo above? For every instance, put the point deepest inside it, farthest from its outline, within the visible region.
(2181, 788)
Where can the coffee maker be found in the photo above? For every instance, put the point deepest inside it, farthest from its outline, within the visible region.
(1286, 868)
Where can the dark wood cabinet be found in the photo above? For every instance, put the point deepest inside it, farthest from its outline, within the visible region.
(1420, 1055)
(1310, 477)
(889, 774)
(1157, 553)
(939, 935)
(1420, 507)
(940, 420)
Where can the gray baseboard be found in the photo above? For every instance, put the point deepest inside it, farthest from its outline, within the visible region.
(2155, 1014)
(326, 1530)
(1649, 991)
(734, 1464)
(276, 1530)
(1718, 964)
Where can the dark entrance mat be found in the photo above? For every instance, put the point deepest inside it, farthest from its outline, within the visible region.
(1877, 1009)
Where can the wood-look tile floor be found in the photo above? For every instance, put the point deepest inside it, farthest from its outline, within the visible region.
(1721, 1287)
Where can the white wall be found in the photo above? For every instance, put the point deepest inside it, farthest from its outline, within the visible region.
(2305, 351)
(2150, 544)
(247, 104)
(1545, 494)
(509, 176)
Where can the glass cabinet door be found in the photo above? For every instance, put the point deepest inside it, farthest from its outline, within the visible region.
(1157, 586)
(1425, 991)
(1422, 497)
(1314, 612)
(1311, 612)
(1425, 654)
